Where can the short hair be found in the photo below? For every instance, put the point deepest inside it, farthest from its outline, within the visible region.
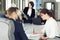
(6, 12)
(11, 10)
(32, 3)
(16, 8)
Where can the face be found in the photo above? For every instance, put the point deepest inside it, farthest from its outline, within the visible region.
(18, 12)
(43, 16)
(30, 6)
(14, 15)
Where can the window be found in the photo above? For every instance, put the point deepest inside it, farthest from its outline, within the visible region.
(18, 3)
(2, 6)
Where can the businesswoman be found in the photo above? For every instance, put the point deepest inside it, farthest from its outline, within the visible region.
(50, 29)
(29, 13)
(19, 31)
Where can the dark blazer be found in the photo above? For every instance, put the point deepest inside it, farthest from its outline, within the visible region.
(19, 32)
(32, 13)
(29, 20)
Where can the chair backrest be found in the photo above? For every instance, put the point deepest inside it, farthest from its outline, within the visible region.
(6, 29)
(36, 21)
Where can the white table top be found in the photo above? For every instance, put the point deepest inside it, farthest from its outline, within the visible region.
(29, 29)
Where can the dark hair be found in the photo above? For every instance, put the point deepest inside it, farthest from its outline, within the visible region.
(32, 3)
(11, 10)
(46, 11)
(6, 12)
(16, 8)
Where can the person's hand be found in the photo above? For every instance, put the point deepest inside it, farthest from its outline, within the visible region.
(25, 17)
(43, 38)
(39, 32)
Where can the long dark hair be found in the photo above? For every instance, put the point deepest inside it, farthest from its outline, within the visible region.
(32, 3)
(50, 13)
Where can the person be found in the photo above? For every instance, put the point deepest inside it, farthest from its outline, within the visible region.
(19, 32)
(29, 13)
(19, 15)
(38, 16)
(50, 29)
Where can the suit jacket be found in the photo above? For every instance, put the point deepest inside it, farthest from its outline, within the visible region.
(32, 13)
(19, 31)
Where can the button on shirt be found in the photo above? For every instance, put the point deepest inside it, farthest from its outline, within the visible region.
(51, 28)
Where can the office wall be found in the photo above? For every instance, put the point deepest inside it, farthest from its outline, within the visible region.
(47, 1)
(58, 10)
(25, 3)
(8, 4)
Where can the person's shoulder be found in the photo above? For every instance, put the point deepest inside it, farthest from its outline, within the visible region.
(33, 9)
(52, 21)
(5, 20)
(26, 7)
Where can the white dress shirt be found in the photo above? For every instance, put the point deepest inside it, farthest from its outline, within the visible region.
(29, 12)
(51, 28)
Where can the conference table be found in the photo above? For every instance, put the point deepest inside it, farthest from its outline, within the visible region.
(29, 31)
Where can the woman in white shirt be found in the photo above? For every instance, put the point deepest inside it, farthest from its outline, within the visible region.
(50, 29)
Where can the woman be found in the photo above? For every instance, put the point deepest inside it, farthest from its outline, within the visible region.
(29, 13)
(51, 29)
(38, 16)
(19, 31)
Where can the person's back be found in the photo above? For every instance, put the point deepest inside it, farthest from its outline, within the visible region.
(51, 28)
(3, 31)
(19, 31)
(6, 29)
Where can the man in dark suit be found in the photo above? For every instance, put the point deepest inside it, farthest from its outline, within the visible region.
(19, 32)
(29, 12)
